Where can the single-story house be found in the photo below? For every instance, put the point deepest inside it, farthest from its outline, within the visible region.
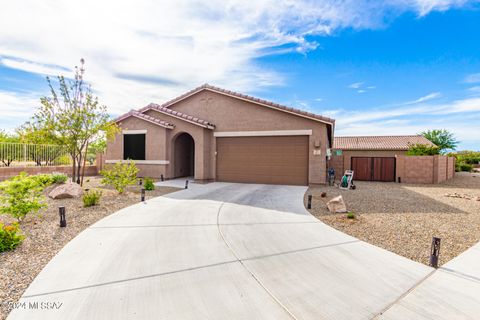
(372, 158)
(214, 134)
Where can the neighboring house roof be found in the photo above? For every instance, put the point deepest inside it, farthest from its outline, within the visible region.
(145, 117)
(379, 142)
(179, 115)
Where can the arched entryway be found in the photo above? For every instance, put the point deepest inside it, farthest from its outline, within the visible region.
(184, 156)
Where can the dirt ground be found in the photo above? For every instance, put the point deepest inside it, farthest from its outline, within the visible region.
(44, 238)
(403, 218)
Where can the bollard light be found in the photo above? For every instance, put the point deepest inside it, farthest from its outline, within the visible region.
(399, 179)
(161, 177)
(435, 252)
(143, 195)
(63, 220)
(309, 203)
(186, 184)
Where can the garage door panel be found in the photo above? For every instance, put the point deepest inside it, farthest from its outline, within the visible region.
(271, 160)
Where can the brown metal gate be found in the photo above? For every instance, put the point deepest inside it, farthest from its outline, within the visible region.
(269, 160)
(374, 168)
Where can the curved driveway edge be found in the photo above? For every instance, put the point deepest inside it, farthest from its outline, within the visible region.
(222, 251)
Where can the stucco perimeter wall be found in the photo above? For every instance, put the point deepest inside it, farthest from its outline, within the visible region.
(232, 114)
(425, 169)
(8, 172)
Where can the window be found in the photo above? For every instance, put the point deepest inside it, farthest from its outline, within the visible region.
(134, 146)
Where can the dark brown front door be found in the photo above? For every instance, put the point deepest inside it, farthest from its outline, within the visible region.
(373, 168)
(269, 160)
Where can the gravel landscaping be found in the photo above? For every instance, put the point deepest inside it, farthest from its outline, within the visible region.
(44, 238)
(403, 218)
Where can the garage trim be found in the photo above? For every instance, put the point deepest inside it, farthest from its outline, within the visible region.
(263, 133)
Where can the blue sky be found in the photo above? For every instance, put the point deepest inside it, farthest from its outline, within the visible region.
(377, 67)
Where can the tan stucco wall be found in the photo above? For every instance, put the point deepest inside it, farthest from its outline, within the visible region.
(228, 114)
(155, 149)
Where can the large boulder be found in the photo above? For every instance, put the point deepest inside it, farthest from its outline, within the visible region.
(337, 205)
(67, 190)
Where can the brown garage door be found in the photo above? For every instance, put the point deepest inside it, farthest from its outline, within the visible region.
(270, 160)
(373, 168)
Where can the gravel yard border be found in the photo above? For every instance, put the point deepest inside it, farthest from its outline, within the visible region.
(44, 238)
(403, 218)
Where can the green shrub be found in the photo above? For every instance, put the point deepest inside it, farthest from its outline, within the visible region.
(422, 150)
(59, 178)
(350, 215)
(149, 184)
(43, 180)
(91, 198)
(21, 195)
(10, 236)
(462, 166)
(120, 175)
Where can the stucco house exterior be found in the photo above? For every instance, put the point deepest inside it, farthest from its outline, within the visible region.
(214, 134)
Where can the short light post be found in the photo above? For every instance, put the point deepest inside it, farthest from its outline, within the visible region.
(309, 203)
(63, 220)
(186, 184)
(435, 252)
(161, 177)
(142, 198)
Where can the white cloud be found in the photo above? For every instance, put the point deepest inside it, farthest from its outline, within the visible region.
(472, 78)
(475, 89)
(143, 51)
(16, 109)
(361, 91)
(356, 85)
(430, 96)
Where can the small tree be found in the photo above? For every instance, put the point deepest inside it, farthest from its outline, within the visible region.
(422, 150)
(20, 196)
(120, 175)
(443, 139)
(73, 118)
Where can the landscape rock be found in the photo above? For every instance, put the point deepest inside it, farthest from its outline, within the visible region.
(67, 190)
(337, 205)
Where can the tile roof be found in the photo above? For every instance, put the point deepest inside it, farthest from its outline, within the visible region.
(145, 117)
(379, 142)
(248, 98)
(179, 115)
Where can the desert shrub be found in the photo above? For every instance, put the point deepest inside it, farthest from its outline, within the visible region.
(462, 166)
(10, 236)
(469, 157)
(59, 178)
(149, 184)
(91, 198)
(120, 175)
(43, 180)
(21, 195)
(350, 215)
(422, 150)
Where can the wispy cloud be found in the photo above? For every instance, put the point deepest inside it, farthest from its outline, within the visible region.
(472, 78)
(144, 51)
(428, 97)
(356, 85)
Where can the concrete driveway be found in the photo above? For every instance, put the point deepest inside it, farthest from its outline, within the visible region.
(220, 251)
